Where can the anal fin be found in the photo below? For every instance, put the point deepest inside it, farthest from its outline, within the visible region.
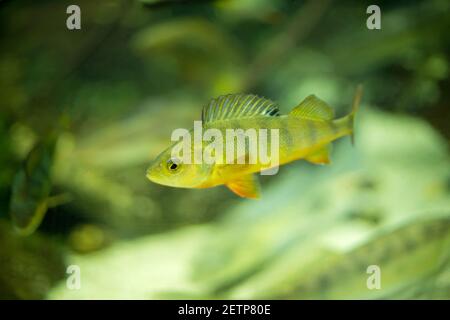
(246, 186)
(321, 156)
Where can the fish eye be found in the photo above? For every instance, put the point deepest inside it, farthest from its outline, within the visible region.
(173, 164)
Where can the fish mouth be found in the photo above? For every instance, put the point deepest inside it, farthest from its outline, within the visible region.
(153, 177)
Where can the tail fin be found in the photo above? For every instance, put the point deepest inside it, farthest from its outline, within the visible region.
(355, 107)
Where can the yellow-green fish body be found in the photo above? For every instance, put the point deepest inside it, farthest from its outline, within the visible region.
(304, 133)
(298, 139)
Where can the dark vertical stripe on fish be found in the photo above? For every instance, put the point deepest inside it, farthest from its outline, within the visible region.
(287, 138)
(312, 132)
(334, 128)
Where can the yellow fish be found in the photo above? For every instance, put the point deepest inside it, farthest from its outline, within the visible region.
(305, 133)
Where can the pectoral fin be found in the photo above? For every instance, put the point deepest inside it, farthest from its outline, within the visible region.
(321, 156)
(246, 186)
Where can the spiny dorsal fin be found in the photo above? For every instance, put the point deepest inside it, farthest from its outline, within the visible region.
(246, 186)
(234, 106)
(313, 108)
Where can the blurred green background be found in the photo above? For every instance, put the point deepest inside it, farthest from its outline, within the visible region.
(105, 99)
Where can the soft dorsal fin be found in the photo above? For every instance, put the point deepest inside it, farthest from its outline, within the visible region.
(313, 108)
(234, 106)
(246, 186)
